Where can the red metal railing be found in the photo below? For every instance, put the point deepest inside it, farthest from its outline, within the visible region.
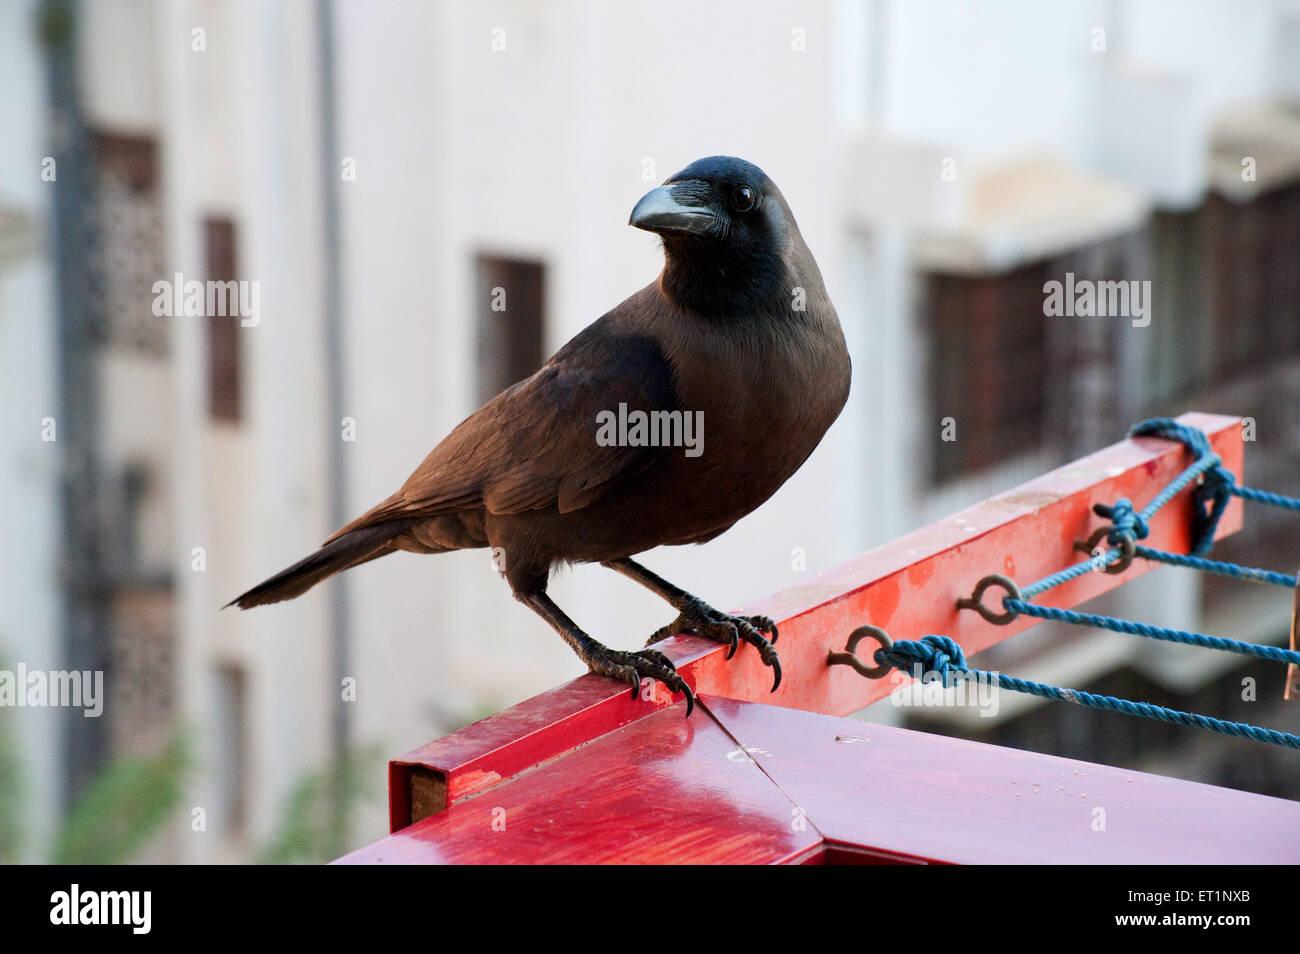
(623, 760)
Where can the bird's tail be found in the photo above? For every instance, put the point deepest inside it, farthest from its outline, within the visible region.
(351, 549)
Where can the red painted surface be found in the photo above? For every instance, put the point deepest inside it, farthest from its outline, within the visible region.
(534, 731)
(747, 783)
(909, 587)
(481, 755)
(894, 790)
(661, 789)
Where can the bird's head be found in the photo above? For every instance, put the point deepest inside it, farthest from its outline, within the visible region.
(727, 234)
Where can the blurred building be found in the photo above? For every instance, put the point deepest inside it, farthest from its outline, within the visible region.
(379, 170)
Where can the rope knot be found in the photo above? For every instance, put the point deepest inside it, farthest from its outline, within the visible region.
(1125, 522)
(939, 654)
(1211, 495)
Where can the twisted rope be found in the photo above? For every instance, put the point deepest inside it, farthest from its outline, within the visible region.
(942, 655)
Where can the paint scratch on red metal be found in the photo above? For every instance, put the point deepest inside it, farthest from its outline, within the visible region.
(909, 587)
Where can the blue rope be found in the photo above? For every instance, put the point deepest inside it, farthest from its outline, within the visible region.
(1234, 570)
(1210, 498)
(942, 655)
(1265, 497)
(1134, 628)
(1081, 568)
(1215, 487)
(1133, 525)
(1124, 522)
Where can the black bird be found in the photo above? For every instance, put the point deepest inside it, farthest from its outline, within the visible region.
(736, 338)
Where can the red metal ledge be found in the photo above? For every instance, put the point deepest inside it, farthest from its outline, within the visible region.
(909, 587)
(746, 783)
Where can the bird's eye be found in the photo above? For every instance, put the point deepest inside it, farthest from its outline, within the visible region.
(743, 199)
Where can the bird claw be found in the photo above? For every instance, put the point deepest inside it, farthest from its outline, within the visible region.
(698, 617)
(765, 624)
(646, 663)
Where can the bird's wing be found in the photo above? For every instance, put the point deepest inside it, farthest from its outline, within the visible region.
(534, 446)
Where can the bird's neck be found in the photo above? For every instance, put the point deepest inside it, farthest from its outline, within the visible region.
(717, 285)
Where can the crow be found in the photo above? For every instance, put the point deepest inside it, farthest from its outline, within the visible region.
(662, 423)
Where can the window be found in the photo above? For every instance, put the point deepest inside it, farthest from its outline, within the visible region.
(511, 296)
(127, 256)
(224, 379)
(1017, 380)
(987, 340)
(1252, 253)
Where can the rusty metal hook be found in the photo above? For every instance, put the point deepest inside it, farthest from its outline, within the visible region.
(850, 658)
(976, 600)
(1127, 548)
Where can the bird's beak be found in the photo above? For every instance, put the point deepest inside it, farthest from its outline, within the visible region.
(676, 207)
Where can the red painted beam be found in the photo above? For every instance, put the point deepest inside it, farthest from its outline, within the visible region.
(909, 587)
(659, 790)
(482, 755)
(748, 783)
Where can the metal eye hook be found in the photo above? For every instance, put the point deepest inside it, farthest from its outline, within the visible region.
(849, 656)
(1127, 548)
(976, 600)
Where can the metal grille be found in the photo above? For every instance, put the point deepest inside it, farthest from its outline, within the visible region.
(141, 700)
(128, 258)
(1017, 380)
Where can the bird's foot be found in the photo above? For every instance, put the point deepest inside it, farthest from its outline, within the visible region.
(630, 667)
(701, 618)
